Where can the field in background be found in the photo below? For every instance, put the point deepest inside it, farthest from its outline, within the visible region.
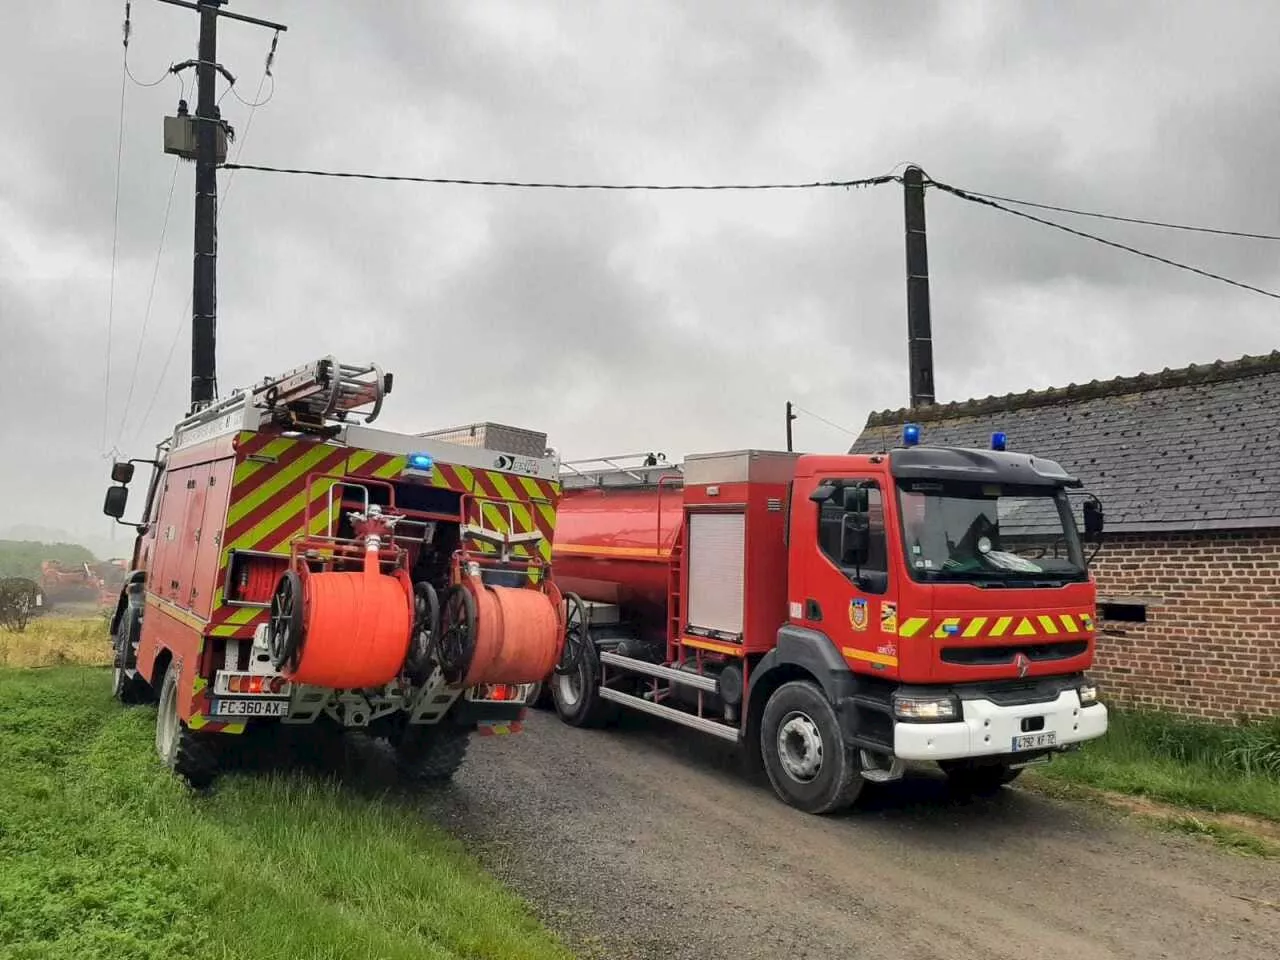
(57, 641)
(104, 854)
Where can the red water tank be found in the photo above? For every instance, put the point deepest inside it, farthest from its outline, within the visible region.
(614, 545)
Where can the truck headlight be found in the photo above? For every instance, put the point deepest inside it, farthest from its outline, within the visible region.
(926, 709)
(1088, 693)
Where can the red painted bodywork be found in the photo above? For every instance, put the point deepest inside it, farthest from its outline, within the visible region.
(614, 546)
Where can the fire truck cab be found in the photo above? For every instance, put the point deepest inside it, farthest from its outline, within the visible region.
(838, 616)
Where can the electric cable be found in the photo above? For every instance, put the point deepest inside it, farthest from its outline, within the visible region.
(973, 198)
(534, 184)
(829, 423)
(1110, 216)
(115, 235)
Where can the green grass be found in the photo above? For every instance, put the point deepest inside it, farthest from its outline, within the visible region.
(103, 854)
(1219, 768)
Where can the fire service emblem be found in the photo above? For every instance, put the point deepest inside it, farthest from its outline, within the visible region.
(858, 613)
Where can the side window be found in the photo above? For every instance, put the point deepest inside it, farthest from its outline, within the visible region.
(872, 574)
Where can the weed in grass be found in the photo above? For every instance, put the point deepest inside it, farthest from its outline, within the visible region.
(1239, 841)
(56, 642)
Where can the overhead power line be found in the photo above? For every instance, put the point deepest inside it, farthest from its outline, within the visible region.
(975, 198)
(829, 423)
(543, 185)
(1138, 220)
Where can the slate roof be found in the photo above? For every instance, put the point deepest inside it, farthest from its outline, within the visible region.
(1181, 450)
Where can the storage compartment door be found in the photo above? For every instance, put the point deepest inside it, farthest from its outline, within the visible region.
(717, 568)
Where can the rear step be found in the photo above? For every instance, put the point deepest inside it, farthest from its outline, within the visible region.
(721, 730)
(699, 681)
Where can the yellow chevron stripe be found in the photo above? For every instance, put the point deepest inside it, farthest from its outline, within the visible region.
(467, 477)
(948, 622)
(1087, 620)
(392, 468)
(247, 468)
(975, 627)
(1048, 624)
(1025, 629)
(358, 459)
(910, 627)
(1069, 623)
(869, 656)
(531, 488)
(279, 481)
(1001, 626)
(548, 513)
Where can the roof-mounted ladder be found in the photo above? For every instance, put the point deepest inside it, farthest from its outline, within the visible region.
(313, 396)
(627, 470)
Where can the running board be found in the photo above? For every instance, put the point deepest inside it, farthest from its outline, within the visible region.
(721, 730)
(699, 681)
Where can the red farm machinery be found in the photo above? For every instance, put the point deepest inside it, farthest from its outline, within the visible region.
(836, 616)
(295, 566)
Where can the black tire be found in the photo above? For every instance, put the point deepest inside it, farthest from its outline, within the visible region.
(576, 694)
(430, 755)
(130, 690)
(187, 753)
(822, 776)
(978, 780)
(540, 696)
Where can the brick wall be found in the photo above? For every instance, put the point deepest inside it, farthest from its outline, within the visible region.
(1211, 644)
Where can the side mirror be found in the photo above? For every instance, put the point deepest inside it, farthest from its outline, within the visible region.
(856, 500)
(855, 540)
(117, 499)
(121, 472)
(823, 492)
(1093, 518)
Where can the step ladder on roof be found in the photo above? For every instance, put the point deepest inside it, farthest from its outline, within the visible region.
(627, 470)
(315, 397)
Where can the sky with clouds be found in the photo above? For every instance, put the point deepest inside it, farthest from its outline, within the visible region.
(678, 322)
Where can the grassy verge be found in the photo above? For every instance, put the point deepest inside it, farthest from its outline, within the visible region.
(1211, 767)
(103, 854)
(57, 641)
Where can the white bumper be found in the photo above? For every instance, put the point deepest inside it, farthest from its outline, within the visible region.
(988, 729)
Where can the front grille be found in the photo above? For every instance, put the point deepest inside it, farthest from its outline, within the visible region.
(995, 656)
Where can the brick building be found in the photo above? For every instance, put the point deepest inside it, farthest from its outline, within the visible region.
(1187, 466)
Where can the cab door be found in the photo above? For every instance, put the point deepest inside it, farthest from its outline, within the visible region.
(847, 588)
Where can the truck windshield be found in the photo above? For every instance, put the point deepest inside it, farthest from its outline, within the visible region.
(993, 534)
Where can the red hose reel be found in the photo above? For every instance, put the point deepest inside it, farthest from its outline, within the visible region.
(356, 629)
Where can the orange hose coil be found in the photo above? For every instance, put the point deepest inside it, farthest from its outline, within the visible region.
(518, 635)
(357, 628)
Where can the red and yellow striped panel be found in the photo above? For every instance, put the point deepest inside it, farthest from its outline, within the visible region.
(997, 626)
(269, 502)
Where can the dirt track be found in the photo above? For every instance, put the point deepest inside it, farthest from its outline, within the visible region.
(646, 841)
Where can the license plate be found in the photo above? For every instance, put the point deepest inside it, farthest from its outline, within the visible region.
(1033, 741)
(250, 708)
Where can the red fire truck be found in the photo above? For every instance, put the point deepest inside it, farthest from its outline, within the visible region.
(836, 615)
(294, 565)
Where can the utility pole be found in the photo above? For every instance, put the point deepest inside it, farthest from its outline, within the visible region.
(790, 416)
(210, 151)
(919, 325)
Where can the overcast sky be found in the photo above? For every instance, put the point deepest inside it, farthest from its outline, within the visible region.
(625, 321)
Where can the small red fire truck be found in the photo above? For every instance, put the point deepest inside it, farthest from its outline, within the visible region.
(294, 565)
(836, 615)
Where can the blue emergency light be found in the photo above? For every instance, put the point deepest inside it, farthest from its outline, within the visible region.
(911, 434)
(420, 461)
(999, 440)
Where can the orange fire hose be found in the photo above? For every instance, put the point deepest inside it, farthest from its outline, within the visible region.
(517, 635)
(357, 628)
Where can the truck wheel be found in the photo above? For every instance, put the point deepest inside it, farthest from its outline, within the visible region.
(185, 752)
(985, 780)
(128, 690)
(575, 694)
(808, 763)
(429, 755)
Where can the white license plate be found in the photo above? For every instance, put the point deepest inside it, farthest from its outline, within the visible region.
(250, 708)
(1033, 741)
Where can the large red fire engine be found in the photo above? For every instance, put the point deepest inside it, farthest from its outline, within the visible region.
(836, 615)
(295, 565)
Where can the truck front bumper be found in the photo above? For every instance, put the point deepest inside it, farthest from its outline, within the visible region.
(989, 729)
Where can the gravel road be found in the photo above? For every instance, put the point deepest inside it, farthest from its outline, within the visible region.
(647, 841)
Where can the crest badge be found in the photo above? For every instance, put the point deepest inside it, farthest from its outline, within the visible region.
(858, 613)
